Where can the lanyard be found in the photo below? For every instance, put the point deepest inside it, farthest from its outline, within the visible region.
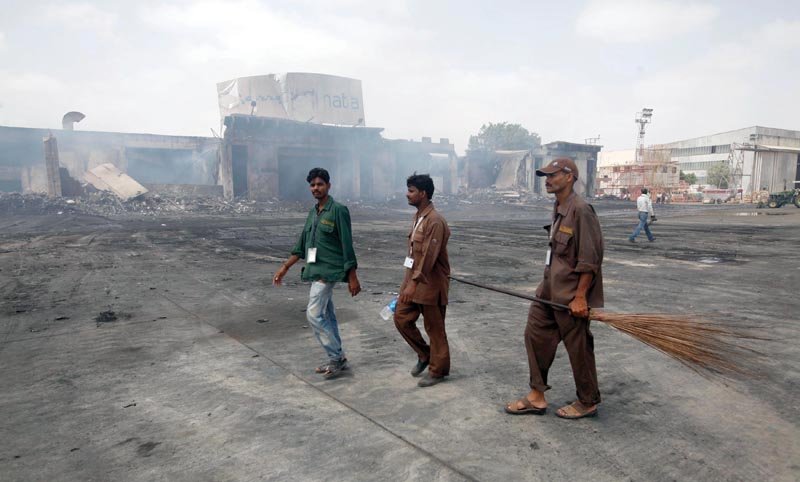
(314, 229)
(411, 248)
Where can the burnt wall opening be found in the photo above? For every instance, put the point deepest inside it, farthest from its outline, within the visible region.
(171, 166)
(293, 167)
(239, 170)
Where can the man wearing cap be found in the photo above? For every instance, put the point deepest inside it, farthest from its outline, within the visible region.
(572, 277)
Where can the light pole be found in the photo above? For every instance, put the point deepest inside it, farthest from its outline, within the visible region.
(642, 118)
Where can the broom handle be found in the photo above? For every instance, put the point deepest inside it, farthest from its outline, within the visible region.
(509, 292)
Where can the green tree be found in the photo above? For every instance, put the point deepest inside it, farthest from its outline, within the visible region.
(504, 136)
(718, 175)
(690, 178)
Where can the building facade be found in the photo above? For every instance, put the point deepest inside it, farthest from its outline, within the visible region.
(757, 157)
(619, 174)
(517, 169)
(269, 158)
(258, 158)
(149, 158)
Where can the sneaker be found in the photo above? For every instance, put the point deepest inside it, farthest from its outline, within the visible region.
(334, 369)
(324, 367)
(429, 381)
(651, 240)
(419, 368)
(631, 240)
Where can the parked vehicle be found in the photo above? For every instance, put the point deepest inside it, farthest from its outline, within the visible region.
(778, 199)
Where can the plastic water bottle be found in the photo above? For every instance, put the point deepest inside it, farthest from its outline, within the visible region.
(388, 311)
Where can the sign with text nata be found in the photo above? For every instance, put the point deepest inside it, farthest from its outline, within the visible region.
(304, 97)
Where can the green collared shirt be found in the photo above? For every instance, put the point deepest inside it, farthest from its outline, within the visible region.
(330, 232)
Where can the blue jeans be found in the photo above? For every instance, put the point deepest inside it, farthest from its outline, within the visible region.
(322, 318)
(642, 225)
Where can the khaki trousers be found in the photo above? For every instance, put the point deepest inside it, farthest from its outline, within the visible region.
(546, 328)
(438, 352)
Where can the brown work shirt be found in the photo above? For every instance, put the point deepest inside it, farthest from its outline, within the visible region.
(427, 245)
(576, 244)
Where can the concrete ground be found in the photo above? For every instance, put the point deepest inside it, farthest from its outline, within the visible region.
(207, 371)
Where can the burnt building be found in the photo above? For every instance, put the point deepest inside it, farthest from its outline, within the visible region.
(154, 160)
(517, 169)
(269, 158)
(257, 158)
(266, 158)
(585, 157)
(435, 158)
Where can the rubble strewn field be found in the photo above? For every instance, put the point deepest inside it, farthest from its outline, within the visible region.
(103, 203)
(143, 341)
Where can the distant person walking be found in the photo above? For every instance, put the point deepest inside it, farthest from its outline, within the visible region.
(425, 285)
(645, 208)
(326, 245)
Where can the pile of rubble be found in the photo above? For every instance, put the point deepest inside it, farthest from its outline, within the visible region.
(104, 203)
(15, 203)
(505, 196)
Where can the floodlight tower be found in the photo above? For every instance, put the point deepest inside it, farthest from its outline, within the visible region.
(642, 118)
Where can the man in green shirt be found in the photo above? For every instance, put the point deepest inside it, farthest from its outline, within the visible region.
(326, 245)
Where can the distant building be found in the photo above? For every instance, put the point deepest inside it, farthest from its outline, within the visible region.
(619, 175)
(257, 158)
(585, 157)
(150, 159)
(517, 169)
(438, 159)
(277, 127)
(266, 158)
(757, 157)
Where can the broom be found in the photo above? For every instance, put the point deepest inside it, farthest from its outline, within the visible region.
(707, 347)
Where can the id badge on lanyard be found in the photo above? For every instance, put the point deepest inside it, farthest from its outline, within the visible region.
(553, 228)
(311, 253)
(409, 262)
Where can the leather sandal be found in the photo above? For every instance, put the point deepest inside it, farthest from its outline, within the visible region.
(576, 413)
(528, 408)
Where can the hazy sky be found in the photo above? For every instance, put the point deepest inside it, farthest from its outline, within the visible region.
(429, 68)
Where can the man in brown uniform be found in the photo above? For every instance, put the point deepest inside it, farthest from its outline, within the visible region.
(572, 277)
(424, 288)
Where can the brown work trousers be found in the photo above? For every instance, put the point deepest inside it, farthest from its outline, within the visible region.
(438, 352)
(546, 327)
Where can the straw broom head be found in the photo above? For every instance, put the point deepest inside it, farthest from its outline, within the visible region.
(708, 347)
